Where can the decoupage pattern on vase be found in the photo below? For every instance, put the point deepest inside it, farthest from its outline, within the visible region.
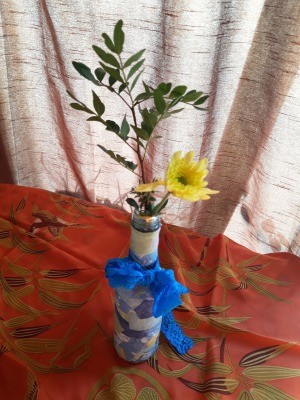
(136, 330)
(144, 246)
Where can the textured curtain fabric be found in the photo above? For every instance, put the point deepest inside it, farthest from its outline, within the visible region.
(244, 54)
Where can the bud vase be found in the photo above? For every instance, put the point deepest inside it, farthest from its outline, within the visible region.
(136, 330)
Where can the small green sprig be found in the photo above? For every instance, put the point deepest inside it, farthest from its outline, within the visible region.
(120, 77)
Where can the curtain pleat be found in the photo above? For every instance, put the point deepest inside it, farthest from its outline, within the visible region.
(264, 85)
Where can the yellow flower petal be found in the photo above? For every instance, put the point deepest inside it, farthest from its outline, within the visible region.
(185, 178)
(189, 157)
(148, 187)
(203, 163)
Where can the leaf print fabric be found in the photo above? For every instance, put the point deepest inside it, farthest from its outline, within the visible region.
(56, 310)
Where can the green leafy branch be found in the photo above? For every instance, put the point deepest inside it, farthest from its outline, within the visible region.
(120, 77)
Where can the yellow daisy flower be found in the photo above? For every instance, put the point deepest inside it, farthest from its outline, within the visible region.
(185, 178)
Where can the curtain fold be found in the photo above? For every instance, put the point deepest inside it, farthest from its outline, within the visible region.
(264, 85)
(245, 55)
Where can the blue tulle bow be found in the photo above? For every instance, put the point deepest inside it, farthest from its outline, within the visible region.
(166, 291)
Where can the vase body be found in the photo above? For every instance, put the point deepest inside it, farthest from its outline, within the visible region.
(136, 329)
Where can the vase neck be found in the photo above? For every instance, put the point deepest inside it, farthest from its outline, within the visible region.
(144, 241)
(145, 223)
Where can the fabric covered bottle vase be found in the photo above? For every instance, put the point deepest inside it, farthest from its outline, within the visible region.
(145, 294)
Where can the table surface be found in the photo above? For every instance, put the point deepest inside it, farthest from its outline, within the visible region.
(56, 310)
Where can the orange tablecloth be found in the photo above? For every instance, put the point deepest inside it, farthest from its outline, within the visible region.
(56, 310)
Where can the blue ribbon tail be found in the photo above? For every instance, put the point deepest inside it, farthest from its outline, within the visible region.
(166, 292)
(174, 334)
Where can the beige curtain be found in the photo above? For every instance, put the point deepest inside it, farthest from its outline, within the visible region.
(244, 54)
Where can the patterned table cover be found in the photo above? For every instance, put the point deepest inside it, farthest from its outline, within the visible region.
(56, 310)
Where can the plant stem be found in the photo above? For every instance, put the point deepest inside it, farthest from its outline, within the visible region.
(141, 160)
(121, 97)
(138, 149)
(132, 148)
(161, 204)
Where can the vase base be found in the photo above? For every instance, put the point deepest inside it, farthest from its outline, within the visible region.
(134, 358)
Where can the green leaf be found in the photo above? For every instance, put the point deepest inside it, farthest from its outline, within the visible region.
(143, 96)
(85, 72)
(73, 97)
(112, 126)
(115, 73)
(201, 100)
(191, 96)
(146, 87)
(100, 73)
(134, 58)
(166, 115)
(132, 203)
(159, 207)
(124, 129)
(122, 87)
(136, 79)
(112, 81)
(149, 120)
(80, 107)
(141, 133)
(175, 101)
(119, 37)
(159, 101)
(109, 43)
(176, 111)
(97, 119)
(164, 88)
(106, 57)
(119, 159)
(177, 91)
(200, 108)
(135, 68)
(98, 105)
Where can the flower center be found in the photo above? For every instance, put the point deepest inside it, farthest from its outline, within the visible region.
(182, 180)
